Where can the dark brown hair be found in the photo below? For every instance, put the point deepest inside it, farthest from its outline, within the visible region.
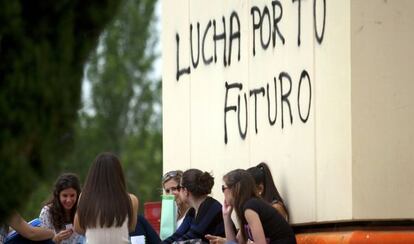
(63, 182)
(243, 188)
(197, 182)
(262, 175)
(105, 201)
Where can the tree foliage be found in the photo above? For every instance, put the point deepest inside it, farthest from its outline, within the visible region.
(43, 47)
(122, 110)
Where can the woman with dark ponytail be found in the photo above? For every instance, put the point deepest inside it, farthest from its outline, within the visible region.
(259, 222)
(267, 189)
(207, 215)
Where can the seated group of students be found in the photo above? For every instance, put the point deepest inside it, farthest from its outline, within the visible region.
(260, 211)
(106, 213)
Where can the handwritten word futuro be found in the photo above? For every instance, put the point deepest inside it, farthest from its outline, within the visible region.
(280, 87)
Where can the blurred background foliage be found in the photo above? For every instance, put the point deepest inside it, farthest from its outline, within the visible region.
(43, 48)
(120, 110)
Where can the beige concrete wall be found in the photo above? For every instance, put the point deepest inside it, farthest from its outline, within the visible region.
(333, 116)
(382, 108)
(175, 96)
(338, 143)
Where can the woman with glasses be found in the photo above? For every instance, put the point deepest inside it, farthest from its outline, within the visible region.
(208, 219)
(267, 189)
(258, 220)
(171, 184)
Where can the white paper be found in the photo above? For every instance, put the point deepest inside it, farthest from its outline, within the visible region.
(138, 239)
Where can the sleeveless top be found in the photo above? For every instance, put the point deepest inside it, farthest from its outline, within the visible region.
(108, 235)
(275, 227)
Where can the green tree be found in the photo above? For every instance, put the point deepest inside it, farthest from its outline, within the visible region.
(123, 111)
(43, 48)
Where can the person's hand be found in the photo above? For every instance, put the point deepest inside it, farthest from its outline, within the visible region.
(62, 235)
(227, 209)
(215, 239)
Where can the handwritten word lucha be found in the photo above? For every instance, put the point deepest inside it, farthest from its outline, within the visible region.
(226, 34)
(211, 32)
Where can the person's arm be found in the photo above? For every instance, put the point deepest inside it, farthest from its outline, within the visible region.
(239, 237)
(184, 228)
(228, 223)
(78, 229)
(134, 201)
(28, 231)
(62, 235)
(280, 209)
(255, 225)
(215, 239)
(76, 226)
(45, 221)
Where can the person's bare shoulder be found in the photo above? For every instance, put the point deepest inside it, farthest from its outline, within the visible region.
(134, 202)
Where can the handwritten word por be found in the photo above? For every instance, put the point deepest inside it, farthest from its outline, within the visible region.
(213, 32)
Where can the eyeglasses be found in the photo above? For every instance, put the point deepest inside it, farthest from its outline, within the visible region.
(171, 174)
(223, 188)
(173, 189)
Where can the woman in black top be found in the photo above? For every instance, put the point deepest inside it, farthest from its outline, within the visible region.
(267, 189)
(258, 220)
(206, 212)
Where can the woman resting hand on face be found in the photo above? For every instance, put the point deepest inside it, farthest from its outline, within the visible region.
(258, 220)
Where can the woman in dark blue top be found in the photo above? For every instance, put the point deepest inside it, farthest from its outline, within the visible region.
(205, 217)
(144, 228)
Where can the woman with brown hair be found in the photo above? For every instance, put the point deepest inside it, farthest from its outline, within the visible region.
(258, 220)
(207, 218)
(106, 211)
(58, 214)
